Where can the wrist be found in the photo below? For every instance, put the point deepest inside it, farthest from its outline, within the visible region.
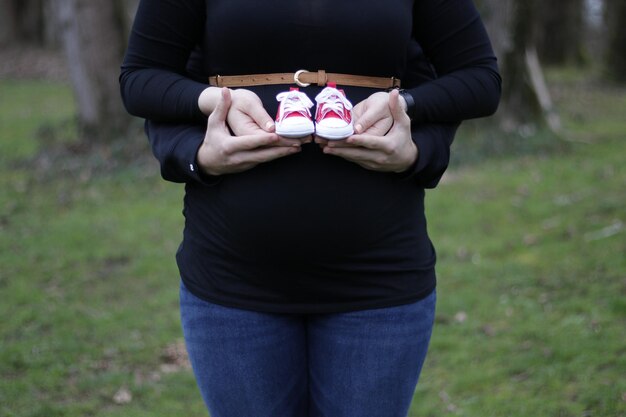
(408, 103)
(411, 158)
(203, 160)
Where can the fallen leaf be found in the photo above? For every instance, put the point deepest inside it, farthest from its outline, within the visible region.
(122, 396)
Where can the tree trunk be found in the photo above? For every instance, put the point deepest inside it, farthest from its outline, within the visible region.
(128, 12)
(525, 97)
(51, 33)
(498, 17)
(561, 30)
(30, 14)
(8, 22)
(93, 40)
(616, 42)
(21, 21)
(520, 105)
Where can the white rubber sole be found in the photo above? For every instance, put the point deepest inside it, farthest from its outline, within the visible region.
(295, 130)
(294, 134)
(334, 133)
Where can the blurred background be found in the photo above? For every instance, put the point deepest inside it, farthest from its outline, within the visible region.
(529, 224)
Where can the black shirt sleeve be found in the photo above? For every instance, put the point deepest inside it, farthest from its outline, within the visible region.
(153, 83)
(153, 80)
(433, 140)
(175, 146)
(467, 83)
(156, 85)
(455, 41)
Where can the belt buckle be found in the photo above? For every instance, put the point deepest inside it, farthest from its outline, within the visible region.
(297, 80)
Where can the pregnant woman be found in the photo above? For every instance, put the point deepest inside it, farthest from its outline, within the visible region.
(307, 274)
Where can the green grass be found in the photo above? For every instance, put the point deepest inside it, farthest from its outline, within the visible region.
(31, 107)
(532, 282)
(532, 274)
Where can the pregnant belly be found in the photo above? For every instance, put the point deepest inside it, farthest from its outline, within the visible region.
(308, 204)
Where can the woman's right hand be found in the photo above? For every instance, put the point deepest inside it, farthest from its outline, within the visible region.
(246, 114)
(223, 153)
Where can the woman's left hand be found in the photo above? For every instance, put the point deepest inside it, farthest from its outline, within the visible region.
(376, 148)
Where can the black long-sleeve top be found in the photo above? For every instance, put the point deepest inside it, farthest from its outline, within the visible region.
(309, 232)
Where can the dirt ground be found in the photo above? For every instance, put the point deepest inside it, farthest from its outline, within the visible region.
(28, 62)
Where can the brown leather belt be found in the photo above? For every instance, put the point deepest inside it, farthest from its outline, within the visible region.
(303, 78)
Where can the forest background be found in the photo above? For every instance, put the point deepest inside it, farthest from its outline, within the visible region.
(530, 226)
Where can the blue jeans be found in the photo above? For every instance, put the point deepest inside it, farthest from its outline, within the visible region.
(356, 364)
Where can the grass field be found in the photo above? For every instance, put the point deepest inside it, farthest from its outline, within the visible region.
(531, 238)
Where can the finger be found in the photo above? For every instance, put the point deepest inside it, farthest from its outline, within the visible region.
(243, 126)
(249, 142)
(380, 128)
(261, 118)
(372, 142)
(261, 155)
(361, 156)
(343, 143)
(283, 141)
(321, 142)
(375, 121)
(220, 113)
(366, 120)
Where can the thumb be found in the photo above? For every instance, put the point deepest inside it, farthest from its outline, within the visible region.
(221, 110)
(395, 107)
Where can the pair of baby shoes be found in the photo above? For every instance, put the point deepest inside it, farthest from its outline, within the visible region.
(333, 115)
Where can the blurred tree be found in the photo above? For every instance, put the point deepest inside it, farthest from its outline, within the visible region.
(92, 34)
(128, 14)
(615, 17)
(560, 32)
(21, 21)
(8, 22)
(526, 101)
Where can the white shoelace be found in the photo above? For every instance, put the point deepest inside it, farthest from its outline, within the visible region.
(294, 102)
(333, 101)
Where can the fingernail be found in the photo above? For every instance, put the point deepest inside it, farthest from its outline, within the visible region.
(358, 128)
(269, 125)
